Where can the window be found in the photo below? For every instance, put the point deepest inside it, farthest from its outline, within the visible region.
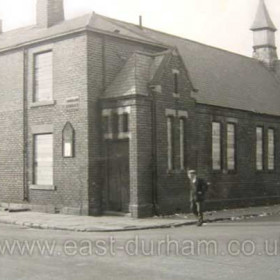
(115, 123)
(68, 141)
(43, 159)
(182, 142)
(105, 124)
(259, 149)
(216, 146)
(231, 146)
(271, 149)
(125, 123)
(176, 91)
(43, 77)
(170, 143)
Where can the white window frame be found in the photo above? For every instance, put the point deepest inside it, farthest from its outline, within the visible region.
(37, 95)
(231, 147)
(36, 180)
(259, 148)
(271, 149)
(216, 145)
(68, 141)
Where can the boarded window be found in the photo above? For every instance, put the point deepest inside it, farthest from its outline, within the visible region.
(231, 146)
(68, 140)
(271, 149)
(259, 148)
(170, 143)
(182, 142)
(216, 146)
(43, 159)
(43, 78)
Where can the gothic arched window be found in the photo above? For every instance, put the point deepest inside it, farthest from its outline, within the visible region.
(68, 140)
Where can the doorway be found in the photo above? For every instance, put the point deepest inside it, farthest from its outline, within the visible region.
(118, 190)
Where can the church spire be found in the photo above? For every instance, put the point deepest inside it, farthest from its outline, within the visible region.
(262, 19)
(264, 36)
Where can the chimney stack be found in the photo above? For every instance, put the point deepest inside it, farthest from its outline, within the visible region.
(49, 12)
(140, 22)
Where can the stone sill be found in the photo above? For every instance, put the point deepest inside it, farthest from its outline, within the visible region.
(42, 187)
(42, 103)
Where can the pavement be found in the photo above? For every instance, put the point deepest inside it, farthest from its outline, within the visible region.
(125, 223)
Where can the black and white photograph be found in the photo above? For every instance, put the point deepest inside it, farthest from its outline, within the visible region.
(139, 140)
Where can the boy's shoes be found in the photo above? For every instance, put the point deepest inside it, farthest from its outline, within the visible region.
(199, 223)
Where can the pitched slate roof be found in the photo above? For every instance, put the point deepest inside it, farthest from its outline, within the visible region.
(263, 19)
(133, 79)
(32, 33)
(92, 21)
(223, 78)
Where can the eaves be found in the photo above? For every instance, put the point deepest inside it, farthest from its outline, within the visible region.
(76, 31)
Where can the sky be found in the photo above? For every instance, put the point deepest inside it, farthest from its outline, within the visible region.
(220, 23)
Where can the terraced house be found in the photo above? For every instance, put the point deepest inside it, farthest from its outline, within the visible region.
(100, 115)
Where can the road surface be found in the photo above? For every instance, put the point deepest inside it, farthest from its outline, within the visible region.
(248, 249)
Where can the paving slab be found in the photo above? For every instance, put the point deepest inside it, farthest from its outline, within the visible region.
(125, 223)
(89, 224)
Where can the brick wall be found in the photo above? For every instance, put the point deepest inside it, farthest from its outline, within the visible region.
(106, 57)
(95, 88)
(140, 156)
(172, 184)
(70, 81)
(229, 189)
(246, 184)
(11, 136)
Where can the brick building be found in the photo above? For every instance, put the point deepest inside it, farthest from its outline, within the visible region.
(101, 115)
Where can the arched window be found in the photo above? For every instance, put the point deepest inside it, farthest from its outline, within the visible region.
(68, 136)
